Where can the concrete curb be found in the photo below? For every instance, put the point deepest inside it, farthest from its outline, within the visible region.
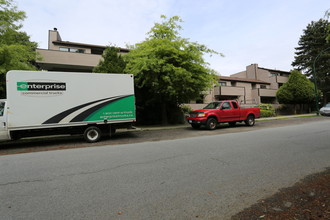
(153, 128)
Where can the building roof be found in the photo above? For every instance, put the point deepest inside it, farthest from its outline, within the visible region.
(272, 70)
(237, 79)
(69, 43)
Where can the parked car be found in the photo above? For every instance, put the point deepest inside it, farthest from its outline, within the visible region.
(325, 110)
(222, 112)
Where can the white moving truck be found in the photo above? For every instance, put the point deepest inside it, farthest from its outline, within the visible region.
(49, 103)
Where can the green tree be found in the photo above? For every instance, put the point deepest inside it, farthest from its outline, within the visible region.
(16, 49)
(314, 51)
(111, 62)
(298, 90)
(169, 69)
(327, 15)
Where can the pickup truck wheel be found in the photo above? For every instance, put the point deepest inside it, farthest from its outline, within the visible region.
(92, 134)
(250, 121)
(211, 123)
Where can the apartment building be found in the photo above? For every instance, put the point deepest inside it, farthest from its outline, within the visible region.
(253, 86)
(70, 56)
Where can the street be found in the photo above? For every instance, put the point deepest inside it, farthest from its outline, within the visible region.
(212, 176)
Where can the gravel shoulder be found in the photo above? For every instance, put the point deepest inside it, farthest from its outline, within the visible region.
(307, 199)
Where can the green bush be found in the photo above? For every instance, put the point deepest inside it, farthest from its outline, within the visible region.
(269, 107)
(186, 109)
(266, 110)
(266, 113)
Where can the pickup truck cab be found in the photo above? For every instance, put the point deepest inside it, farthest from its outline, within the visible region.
(227, 111)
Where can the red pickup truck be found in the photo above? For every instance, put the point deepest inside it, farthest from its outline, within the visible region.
(222, 112)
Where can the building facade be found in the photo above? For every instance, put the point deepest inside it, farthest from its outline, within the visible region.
(70, 56)
(252, 86)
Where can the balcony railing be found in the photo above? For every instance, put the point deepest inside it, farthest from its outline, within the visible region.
(229, 91)
(282, 79)
(266, 92)
(51, 57)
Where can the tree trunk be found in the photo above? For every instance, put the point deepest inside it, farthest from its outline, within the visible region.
(163, 113)
(325, 101)
(295, 109)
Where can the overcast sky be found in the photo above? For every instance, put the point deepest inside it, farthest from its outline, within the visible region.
(245, 31)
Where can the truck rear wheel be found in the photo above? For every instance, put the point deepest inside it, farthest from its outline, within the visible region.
(211, 123)
(92, 134)
(250, 121)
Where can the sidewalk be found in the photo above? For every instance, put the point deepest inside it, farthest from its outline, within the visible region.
(166, 127)
(287, 116)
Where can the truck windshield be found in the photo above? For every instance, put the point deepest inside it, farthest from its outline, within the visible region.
(2, 108)
(213, 105)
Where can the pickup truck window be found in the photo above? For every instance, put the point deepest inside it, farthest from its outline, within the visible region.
(226, 105)
(213, 105)
(235, 105)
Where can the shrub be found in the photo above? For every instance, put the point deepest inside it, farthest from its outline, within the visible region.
(266, 113)
(186, 109)
(266, 110)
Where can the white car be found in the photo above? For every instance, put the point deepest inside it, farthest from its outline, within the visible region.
(325, 110)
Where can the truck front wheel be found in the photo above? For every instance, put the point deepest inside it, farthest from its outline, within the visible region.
(92, 134)
(211, 123)
(250, 121)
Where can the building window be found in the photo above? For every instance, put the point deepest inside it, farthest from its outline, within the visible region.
(273, 74)
(263, 87)
(233, 84)
(223, 83)
(64, 49)
(72, 50)
(268, 100)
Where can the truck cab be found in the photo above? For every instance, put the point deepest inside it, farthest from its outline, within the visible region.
(3, 120)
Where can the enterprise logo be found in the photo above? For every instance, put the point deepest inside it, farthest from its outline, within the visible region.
(41, 86)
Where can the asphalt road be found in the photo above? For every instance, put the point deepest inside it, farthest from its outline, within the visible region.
(206, 177)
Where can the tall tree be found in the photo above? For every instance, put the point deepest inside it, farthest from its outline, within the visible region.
(298, 90)
(111, 62)
(16, 49)
(170, 68)
(313, 55)
(327, 16)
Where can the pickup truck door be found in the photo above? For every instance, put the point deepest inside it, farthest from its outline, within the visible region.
(229, 112)
(3, 127)
(236, 111)
(226, 112)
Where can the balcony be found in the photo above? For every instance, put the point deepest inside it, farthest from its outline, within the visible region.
(282, 79)
(229, 91)
(267, 92)
(60, 60)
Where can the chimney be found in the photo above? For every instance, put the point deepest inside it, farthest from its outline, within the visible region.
(53, 35)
